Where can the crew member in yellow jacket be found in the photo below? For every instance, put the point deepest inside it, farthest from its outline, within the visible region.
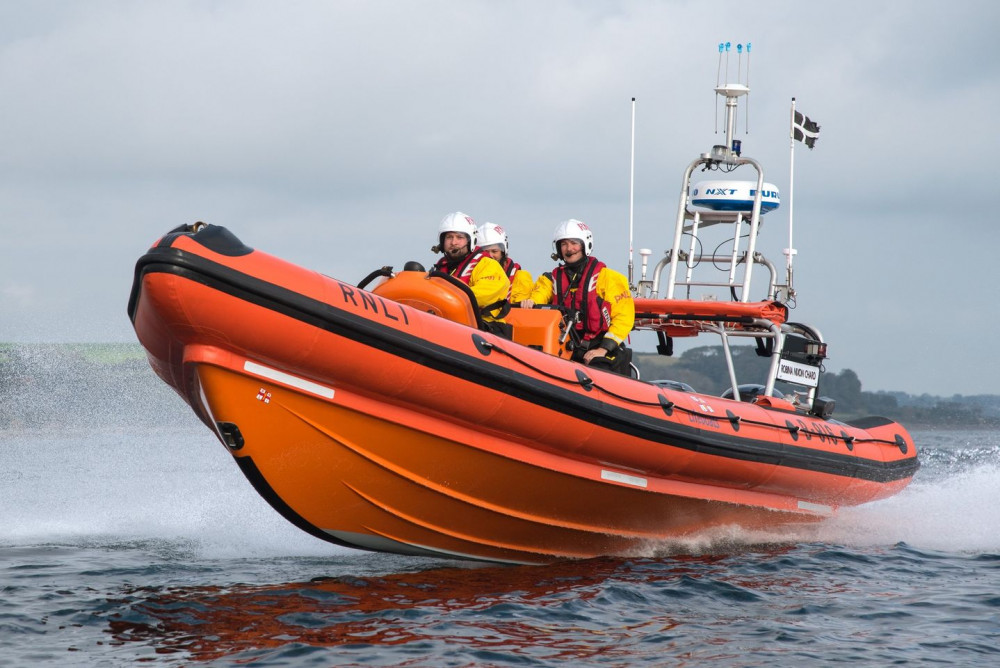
(596, 297)
(463, 259)
(493, 239)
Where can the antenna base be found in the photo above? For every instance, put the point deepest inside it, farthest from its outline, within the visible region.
(721, 154)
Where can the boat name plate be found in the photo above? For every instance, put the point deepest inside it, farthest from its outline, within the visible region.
(798, 373)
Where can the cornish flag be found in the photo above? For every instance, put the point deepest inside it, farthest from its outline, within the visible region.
(805, 130)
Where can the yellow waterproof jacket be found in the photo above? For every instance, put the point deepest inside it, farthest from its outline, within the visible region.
(612, 287)
(490, 285)
(521, 286)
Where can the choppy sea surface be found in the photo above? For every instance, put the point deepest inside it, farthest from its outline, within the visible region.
(139, 544)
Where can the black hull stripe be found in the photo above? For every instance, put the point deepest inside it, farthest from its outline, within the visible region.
(259, 482)
(480, 371)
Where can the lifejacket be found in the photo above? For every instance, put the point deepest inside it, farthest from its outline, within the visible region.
(463, 270)
(510, 267)
(581, 296)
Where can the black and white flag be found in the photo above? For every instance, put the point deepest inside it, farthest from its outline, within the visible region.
(805, 130)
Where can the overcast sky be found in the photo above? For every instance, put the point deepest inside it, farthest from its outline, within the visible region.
(337, 135)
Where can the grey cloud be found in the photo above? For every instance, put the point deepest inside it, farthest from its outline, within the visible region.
(336, 134)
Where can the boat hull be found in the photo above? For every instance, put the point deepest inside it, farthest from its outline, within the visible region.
(375, 425)
(365, 476)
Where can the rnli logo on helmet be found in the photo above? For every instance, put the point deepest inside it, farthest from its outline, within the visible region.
(498, 229)
(583, 226)
(470, 221)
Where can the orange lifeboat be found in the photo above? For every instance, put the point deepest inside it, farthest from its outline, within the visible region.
(385, 419)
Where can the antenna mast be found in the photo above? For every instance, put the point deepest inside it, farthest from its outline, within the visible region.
(729, 153)
(631, 197)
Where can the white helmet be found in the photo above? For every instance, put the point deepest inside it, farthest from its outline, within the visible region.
(458, 222)
(573, 229)
(491, 234)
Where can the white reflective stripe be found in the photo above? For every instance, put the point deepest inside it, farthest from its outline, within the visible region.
(288, 379)
(621, 477)
(815, 507)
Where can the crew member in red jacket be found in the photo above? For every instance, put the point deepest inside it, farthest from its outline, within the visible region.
(458, 241)
(493, 239)
(598, 298)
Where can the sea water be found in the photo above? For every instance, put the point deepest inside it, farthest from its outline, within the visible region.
(134, 543)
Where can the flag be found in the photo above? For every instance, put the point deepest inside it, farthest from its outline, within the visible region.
(805, 130)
